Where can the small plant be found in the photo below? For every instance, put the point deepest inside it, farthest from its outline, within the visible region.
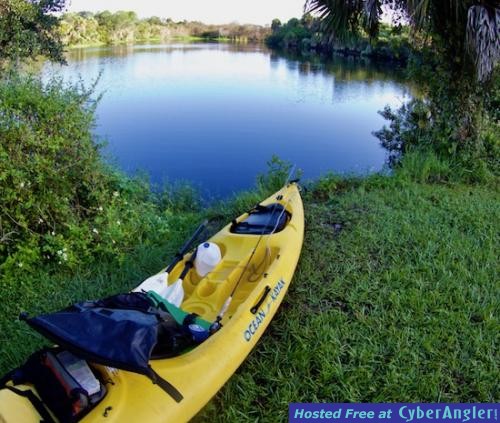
(423, 166)
(327, 187)
(276, 175)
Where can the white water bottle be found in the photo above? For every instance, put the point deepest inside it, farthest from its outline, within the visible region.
(208, 256)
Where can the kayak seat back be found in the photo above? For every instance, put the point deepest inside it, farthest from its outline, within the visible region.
(262, 220)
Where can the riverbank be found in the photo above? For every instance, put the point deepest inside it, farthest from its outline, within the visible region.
(125, 27)
(394, 298)
(304, 36)
(156, 40)
(396, 294)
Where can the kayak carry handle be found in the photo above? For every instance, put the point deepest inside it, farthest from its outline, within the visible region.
(266, 292)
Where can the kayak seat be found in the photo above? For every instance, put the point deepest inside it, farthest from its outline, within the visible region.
(262, 220)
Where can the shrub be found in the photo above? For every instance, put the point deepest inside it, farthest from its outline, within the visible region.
(59, 202)
(462, 132)
(51, 176)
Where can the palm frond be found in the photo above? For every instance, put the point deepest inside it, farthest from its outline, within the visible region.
(483, 39)
(373, 10)
(418, 10)
(340, 18)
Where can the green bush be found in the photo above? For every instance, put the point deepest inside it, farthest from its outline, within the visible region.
(51, 176)
(59, 202)
(435, 126)
(278, 171)
(291, 36)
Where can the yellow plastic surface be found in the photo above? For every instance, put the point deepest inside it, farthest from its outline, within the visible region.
(201, 372)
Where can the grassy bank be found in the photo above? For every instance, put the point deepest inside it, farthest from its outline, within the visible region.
(395, 299)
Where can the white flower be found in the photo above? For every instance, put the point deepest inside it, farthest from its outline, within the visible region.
(100, 208)
(21, 185)
(113, 241)
(40, 220)
(95, 231)
(59, 252)
(118, 222)
(116, 194)
(53, 233)
(20, 264)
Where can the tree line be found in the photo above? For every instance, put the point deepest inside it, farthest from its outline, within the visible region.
(86, 28)
(308, 35)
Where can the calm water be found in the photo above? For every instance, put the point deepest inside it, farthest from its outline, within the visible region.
(214, 114)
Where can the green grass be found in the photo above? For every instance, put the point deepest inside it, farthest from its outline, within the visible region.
(396, 298)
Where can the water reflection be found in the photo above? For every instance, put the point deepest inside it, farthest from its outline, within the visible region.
(86, 53)
(214, 114)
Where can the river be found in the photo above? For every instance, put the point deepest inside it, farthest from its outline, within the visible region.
(214, 114)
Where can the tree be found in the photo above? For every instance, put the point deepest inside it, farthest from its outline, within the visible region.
(275, 25)
(85, 14)
(154, 20)
(468, 28)
(28, 29)
(75, 29)
(458, 46)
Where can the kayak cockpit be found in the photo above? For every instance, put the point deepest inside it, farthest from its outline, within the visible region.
(205, 296)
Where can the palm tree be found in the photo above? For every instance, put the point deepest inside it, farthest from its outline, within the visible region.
(468, 28)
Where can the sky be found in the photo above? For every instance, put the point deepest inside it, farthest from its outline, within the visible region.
(208, 11)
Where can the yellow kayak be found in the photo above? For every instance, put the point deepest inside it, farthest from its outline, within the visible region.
(259, 268)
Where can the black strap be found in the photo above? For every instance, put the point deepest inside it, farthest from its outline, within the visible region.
(5, 378)
(165, 385)
(189, 264)
(257, 208)
(35, 401)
